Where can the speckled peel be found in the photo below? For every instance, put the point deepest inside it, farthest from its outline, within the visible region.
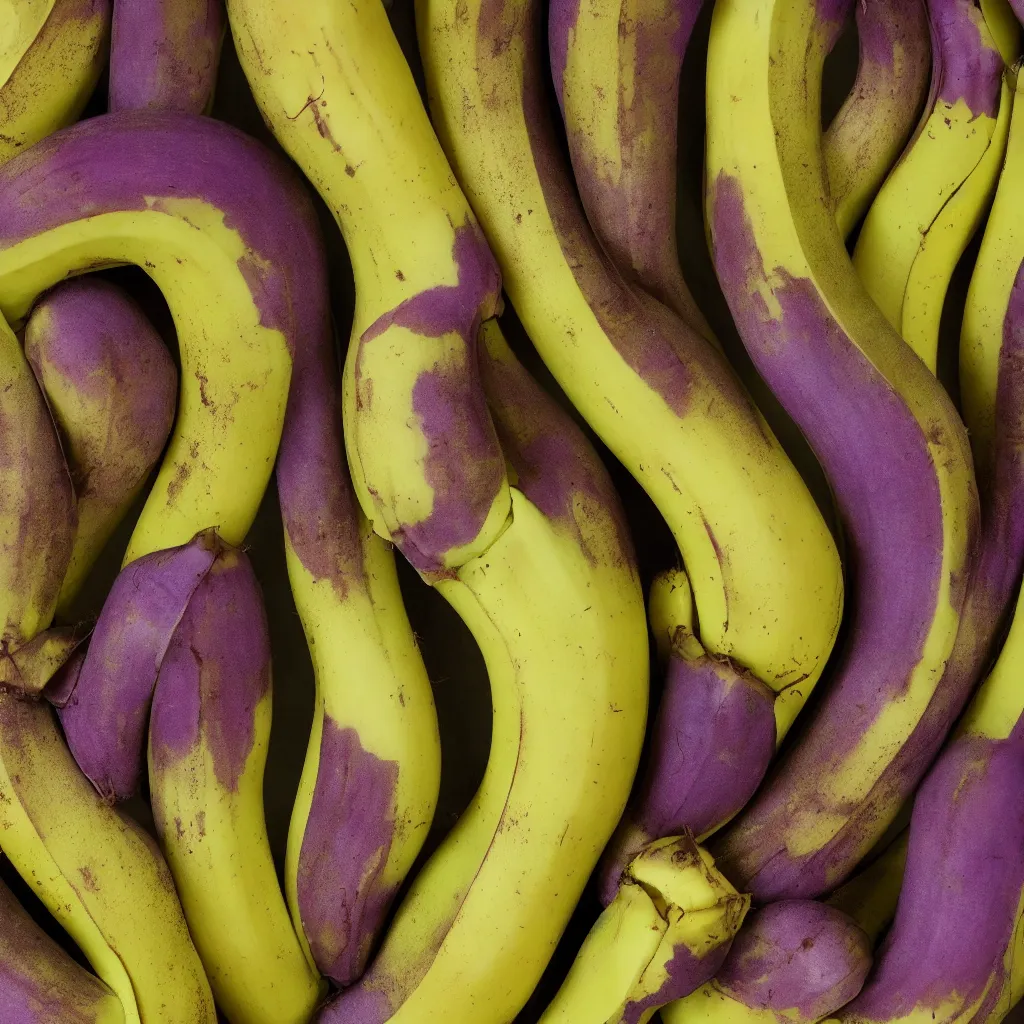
(111, 386)
(39, 982)
(106, 717)
(164, 54)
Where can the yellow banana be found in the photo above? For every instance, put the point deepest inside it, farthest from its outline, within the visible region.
(870, 896)
(890, 441)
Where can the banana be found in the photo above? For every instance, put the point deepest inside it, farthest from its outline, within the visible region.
(332, 83)
(666, 933)
(39, 982)
(870, 896)
(208, 737)
(164, 54)
(890, 441)
(868, 133)
(556, 609)
(955, 951)
(51, 56)
(793, 962)
(957, 130)
(370, 782)
(765, 573)
(111, 386)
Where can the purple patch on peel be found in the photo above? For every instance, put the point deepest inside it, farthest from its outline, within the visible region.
(961, 888)
(359, 1005)
(164, 54)
(464, 464)
(964, 65)
(798, 958)
(214, 675)
(106, 717)
(345, 847)
(887, 492)
(885, 26)
(713, 739)
(133, 160)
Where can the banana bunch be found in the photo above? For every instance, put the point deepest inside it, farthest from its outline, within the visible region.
(51, 55)
(164, 54)
(906, 491)
(936, 196)
(665, 934)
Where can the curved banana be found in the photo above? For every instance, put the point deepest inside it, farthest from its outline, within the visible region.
(958, 128)
(765, 572)
(868, 133)
(370, 781)
(870, 896)
(556, 608)
(890, 441)
(164, 54)
(793, 962)
(39, 982)
(208, 736)
(333, 84)
(51, 56)
(665, 934)
(955, 951)
(111, 386)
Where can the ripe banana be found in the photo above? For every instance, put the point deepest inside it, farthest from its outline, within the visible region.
(208, 737)
(225, 231)
(956, 948)
(905, 488)
(331, 81)
(164, 54)
(556, 609)
(666, 933)
(370, 782)
(765, 572)
(51, 56)
(39, 982)
(923, 193)
(868, 133)
(795, 961)
(111, 386)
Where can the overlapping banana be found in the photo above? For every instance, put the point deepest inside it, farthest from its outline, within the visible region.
(111, 386)
(164, 54)
(665, 934)
(370, 783)
(934, 200)
(795, 960)
(867, 135)
(332, 83)
(906, 491)
(870, 896)
(51, 56)
(39, 982)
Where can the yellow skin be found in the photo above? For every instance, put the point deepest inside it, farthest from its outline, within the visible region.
(870, 896)
(924, 193)
(51, 56)
(683, 903)
(770, 596)
(334, 86)
(764, 146)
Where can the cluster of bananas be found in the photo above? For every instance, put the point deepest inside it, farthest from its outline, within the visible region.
(862, 865)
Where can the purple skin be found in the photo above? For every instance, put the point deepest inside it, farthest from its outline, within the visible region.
(635, 218)
(106, 716)
(130, 160)
(464, 464)
(894, 558)
(713, 739)
(39, 982)
(344, 850)
(89, 338)
(798, 958)
(964, 877)
(164, 54)
(963, 66)
(214, 674)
